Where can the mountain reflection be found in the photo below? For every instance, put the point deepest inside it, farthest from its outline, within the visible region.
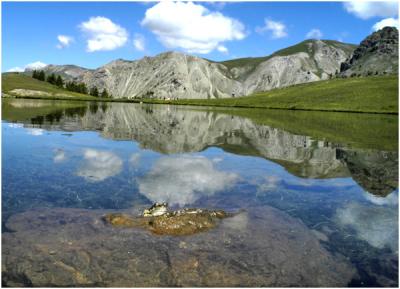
(172, 130)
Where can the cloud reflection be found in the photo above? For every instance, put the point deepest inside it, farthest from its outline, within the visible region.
(99, 165)
(59, 156)
(183, 180)
(376, 225)
(35, 131)
(391, 199)
(134, 160)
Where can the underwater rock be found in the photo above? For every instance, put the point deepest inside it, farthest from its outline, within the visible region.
(262, 247)
(176, 223)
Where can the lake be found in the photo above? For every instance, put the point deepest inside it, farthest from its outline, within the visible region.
(314, 196)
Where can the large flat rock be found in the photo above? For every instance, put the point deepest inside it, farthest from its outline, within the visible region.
(74, 247)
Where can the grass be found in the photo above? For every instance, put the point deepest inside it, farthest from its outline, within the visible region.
(367, 94)
(366, 131)
(12, 81)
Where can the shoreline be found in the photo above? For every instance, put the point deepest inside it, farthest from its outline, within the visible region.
(189, 102)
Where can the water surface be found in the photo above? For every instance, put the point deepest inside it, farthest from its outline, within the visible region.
(318, 192)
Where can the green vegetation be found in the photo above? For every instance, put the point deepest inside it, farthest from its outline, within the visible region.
(367, 131)
(26, 109)
(377, 94)
(300, 47)
(11, 81)
(94, 91)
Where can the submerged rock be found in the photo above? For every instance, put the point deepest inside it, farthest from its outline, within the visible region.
(176, 223)
(263, 247)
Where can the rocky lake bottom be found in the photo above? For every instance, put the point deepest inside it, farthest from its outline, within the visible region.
(315, 196)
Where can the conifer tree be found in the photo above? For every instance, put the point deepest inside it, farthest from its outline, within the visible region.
(94, 91)
(104, 94)
(51, 79)
(41, 75)
(59, 81)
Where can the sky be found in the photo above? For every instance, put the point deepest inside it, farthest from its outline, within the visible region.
(91, 34)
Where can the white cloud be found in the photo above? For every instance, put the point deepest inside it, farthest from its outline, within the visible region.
(191, 27)
(16, 69)
(183, 180)
(139, 42)
(366, 10)
(278, 29)
(222, 49)
(99, 165)
(386, 22)
(64, 41)
(30, 66)
(35, 65)
(103, 34)
(314, 34)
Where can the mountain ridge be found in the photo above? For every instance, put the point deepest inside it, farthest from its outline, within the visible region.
(177, 75)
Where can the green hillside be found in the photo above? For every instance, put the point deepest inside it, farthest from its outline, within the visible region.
(366, 94)
(299, 47)
(41, 89)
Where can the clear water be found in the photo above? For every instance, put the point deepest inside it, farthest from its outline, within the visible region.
(326, 175)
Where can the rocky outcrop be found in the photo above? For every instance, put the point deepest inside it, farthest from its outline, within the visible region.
(179, 75)
(376, 54)
(376, 171)
(167, 75)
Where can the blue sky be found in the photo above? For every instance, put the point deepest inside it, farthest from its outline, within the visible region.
(90, 34)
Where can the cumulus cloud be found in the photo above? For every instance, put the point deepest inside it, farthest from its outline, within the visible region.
(222, 49)
(16, 69)
(314, 34)
(35, 65)
(392, 22)
(191, 27)
(183, 180)
(103, 34)
(376, 225)
(64, 41)
(139, 42)
(366, 10)
(99, 165)
(30, 66)
(278, 29)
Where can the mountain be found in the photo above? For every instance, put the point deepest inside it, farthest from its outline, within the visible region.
(177, 130)
(179, 75)
(376, 54)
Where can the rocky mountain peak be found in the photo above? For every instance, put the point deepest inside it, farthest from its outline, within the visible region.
(376, 54)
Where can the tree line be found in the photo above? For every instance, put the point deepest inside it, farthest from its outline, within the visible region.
(74, 86)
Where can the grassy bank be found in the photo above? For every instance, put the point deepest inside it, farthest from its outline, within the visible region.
(17, 81)
(366, 94)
